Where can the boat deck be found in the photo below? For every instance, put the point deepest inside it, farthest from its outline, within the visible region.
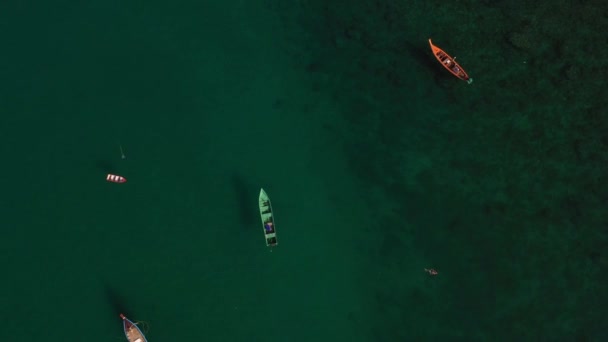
(270, 233)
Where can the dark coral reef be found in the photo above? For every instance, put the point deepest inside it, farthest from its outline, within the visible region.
(508, 174)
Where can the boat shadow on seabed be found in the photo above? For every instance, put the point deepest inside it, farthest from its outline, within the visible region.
(248, 216)
(116, 300)
(105, 166)
(420, 55)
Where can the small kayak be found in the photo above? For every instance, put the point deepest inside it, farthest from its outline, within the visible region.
(450, 63)
(115, 178)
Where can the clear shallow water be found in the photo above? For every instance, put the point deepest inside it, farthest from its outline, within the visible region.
(378, 163)
(209, 107)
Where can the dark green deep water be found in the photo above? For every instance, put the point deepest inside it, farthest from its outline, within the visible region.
(378, 162)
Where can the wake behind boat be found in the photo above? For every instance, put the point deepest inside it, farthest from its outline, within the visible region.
(132, 331)
(267, 219)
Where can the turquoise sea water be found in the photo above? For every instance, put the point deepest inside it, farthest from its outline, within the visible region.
(209, 107)
(378, 164)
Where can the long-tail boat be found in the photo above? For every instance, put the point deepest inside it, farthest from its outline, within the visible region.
(450, 63)
(132, 331)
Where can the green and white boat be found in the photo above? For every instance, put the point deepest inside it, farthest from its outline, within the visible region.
(270, 233)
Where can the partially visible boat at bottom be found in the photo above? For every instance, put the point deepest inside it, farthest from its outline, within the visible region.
(132, 331)
(270, 233)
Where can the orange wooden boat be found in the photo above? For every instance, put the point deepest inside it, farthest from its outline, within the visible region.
(450, 63)
(132, 331)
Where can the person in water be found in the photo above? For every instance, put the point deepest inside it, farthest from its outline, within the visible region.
(431, 271)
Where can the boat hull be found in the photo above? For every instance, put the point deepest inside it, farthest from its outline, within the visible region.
(270, 234)
(450, 63)
(132, 331)
(115, 178)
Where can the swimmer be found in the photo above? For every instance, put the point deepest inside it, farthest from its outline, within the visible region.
(431, 271)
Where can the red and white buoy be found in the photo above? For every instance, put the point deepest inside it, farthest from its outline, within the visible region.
(115, 178)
